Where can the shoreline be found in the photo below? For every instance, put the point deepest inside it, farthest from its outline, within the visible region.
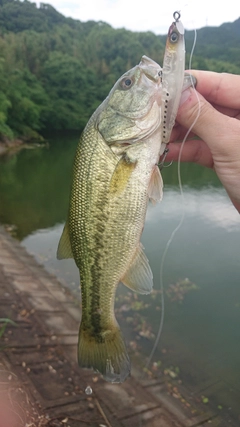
(6, 145)
(11, 146)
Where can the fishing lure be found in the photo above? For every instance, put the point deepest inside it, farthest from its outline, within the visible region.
(172, 75)
(174, 82)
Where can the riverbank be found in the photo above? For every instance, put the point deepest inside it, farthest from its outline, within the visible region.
(7, 145)
(11, 146)
(38, 358)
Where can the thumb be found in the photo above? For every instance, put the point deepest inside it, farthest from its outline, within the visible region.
(213, 127)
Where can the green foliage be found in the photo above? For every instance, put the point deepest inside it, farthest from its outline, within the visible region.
(19, 16)
(219, 44)
(69, 85)
(55, 71)
(5, 105)
(28, 102)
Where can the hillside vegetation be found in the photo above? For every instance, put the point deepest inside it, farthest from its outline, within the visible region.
(54, 71)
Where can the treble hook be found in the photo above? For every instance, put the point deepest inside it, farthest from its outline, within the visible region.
(161, 164)
(167, 166)
(176, 16)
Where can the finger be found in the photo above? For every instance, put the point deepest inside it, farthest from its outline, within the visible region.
(192, 151)
(179, 132)
(231, 112)
(219, 88)
(220, 132)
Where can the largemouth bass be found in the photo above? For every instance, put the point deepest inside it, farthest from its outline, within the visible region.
(115, 173)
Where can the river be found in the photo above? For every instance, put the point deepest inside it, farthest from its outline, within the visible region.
(200, 342)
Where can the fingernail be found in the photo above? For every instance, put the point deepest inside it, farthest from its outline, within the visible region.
(185, 95)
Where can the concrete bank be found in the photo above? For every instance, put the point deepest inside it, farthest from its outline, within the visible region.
(39, 375)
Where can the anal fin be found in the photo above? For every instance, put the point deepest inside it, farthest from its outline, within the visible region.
(139, 276)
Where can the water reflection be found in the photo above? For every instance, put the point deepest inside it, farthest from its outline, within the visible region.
(43, 245)
(34, 187)
(210, 204)
(201, 331)
(209, 218)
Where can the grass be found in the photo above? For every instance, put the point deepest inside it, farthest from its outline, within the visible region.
(3, 324)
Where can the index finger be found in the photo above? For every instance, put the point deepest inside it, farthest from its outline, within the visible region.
(220, 88)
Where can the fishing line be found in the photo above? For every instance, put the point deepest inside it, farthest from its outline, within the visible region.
(192, 125)
(182, 217)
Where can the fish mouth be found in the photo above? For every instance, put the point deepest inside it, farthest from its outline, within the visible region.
(123, 123)
(151, 69)
(150, 81)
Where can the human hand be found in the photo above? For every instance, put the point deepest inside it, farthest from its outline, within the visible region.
(216, 106)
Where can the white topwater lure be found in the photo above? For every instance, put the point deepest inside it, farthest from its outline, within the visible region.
(174, 78)
(172, 75)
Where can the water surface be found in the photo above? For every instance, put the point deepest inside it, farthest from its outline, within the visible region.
(200, 340)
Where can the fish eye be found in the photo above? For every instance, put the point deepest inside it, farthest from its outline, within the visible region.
(174, 37)
(126, 83)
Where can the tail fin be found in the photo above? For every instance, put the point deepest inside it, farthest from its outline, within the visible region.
(107, 356)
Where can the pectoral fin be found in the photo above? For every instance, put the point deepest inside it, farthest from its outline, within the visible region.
(64, 247)
(155, 189)
(139, 276)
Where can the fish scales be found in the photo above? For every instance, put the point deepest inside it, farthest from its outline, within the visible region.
(114, 224)
(108, 241)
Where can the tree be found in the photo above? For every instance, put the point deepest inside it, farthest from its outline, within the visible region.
(55, 71)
